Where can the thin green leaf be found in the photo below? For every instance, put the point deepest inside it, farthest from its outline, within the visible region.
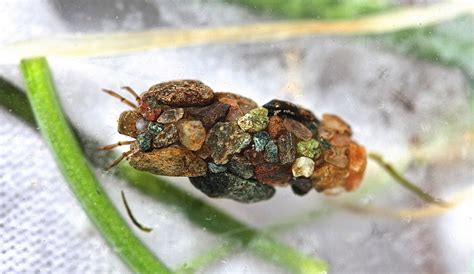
(81, 179)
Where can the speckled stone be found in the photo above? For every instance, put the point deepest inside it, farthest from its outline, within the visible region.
(216, 168)
(225, 139)
(192, 134)
(239, 105)
(181, 93)
(298, 129)
(169, 161)
(309, 148)
(155, 128)
(254, 120)
(168, 136)
(301, 186)
(150, 108)
(273, 174)
(144, 141)
(227, 185)
(254, 157)
(260, 140)
(271, 152)
(239, 166)
(171, 115)
(276, 127)
(127, 123)
(209, 115)
(302, 167)
(287, 148)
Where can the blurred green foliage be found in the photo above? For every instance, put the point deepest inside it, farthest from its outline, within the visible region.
(321, 9)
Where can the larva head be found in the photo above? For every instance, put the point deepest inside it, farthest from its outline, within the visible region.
(131, 123)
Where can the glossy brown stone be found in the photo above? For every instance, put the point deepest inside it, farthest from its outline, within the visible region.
(209, 115)
(181, 93)
(273, 174)
(333, 122)
(169, 161)
(357, 165)
(298, 129)
(192, 134)
(204, 152)
(276, 127)
(337, 156)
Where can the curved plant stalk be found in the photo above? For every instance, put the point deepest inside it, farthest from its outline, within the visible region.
(81, 179)
(118, 43)
(399, 178)
(197, 211)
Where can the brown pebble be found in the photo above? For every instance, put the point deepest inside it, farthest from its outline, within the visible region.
(239, 105)
(357, 165)
(181, 93)
(287, 148)
(254, 157)
(169, 161)
(273, 174)
(338, 156)
(211, 114)
(327, 177)
(168, 136)
(204, 152)
(170, 115)
(298, 129)
(276, 127)
(192, 134)
(333, 122)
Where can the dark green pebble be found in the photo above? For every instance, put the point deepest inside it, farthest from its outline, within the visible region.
(216, 168)
(260, 140)
(271, 152)
(155, 127)
(226, 185)
(144, 141)
(239, 166)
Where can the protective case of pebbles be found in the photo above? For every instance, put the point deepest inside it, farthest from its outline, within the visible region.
(231, 148)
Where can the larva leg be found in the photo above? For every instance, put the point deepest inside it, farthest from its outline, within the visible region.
(112, 146)
(121, 98)
(120, 158)
(131, 91)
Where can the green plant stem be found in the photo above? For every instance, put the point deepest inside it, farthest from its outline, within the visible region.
(75, 169)
(405, 182)
(205, 215)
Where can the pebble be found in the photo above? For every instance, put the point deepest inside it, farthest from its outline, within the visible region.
(338, 156)
(287, 148)
(327, 177)
(170, 115)
(271, 152)
(303, 167)
(225, 139)
(254, 120)
(192, 134)
(298, 129)
(260, 140)
(127, 123)
(216, 168)
(155, 128)
(333, 122)
(227, 185)
(168, 136)
(273, 174)
(144, 141)
(309, 148)
(276, 127)
(287, 109)
(181, 93)
(239, 105)
(255, 157)
(301, 186)
(204, 152)
(357, 165)
(169, 161)
(239, 166)
(211, 114)
(149, 108)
